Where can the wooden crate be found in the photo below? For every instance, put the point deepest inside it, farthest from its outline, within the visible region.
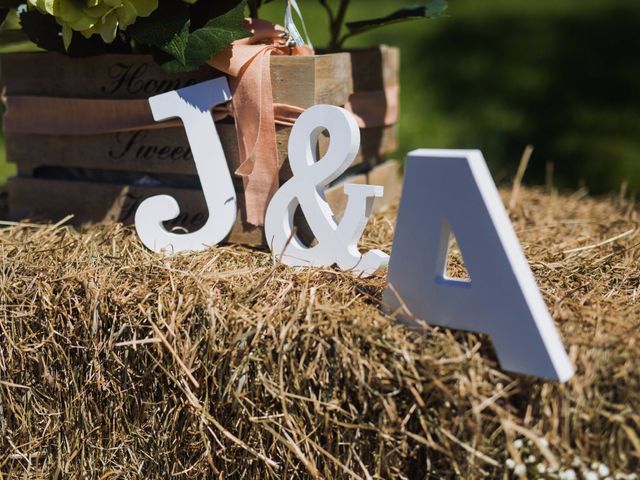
(102, 177)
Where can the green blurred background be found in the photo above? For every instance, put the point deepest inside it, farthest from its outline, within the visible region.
(563, 75)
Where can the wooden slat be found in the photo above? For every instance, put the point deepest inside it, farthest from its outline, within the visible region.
(101, 76)
(305, 81)
(377, 143)
(163, 151)
(375, 69)
(387, 174)
(52, 200)
(300, 81)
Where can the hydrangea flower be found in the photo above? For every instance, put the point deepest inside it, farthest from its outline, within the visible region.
(91, 17)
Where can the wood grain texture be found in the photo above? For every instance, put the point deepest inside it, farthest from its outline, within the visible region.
(102, 76)
(375, 69)
(161, 151)
(299, 81)
(386, 174)
(92, 202)
(305, 81)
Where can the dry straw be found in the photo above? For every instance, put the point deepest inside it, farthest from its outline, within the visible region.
(116, 363)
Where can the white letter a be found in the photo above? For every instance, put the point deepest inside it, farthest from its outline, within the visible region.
(448, 190)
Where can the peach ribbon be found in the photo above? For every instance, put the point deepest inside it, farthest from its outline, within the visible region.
(247, 62)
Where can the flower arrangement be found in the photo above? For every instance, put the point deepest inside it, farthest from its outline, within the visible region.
(180, 34)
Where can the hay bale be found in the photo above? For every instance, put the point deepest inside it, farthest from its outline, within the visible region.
(116, 363)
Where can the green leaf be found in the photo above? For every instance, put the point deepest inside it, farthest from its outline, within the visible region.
(6, 6)
(214, 36)
(431, 9)
(167, 29)
(42, 30)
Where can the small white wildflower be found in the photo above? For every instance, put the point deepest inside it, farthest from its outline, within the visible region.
(603, 470)
(520, 470)
(531, 459)
(510, 463)
(568, 474)
(518, 444)
(544, 443)
(589, 475)
(594, 466)
(541, 468)
(632, 476)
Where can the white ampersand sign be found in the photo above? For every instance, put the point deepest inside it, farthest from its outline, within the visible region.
(337, 242)
(193, 106)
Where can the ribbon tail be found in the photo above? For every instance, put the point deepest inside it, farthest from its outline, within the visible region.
(259, 162)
